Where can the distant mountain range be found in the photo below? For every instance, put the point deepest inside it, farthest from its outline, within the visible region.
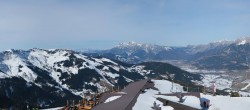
(229, 55)
(47, 78)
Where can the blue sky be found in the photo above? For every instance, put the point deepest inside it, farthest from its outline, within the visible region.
(102, 24)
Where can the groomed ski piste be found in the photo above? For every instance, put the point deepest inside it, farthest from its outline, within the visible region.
(151, 94)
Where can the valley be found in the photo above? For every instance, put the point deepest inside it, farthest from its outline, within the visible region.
(236, 80)
(56, 75)
(226, 61)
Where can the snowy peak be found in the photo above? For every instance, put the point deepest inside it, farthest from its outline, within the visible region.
(243, 41)
(128, 44)
(193, 49)
(221, 52)
(133, 49)
(239, 41)
(222, 42)
(133, 44)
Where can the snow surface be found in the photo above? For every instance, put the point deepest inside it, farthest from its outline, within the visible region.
(195, 70)
(244, 94)
(92, 65)
(51, 61)
(248, 85)
(2, 75)
(14, 62)
(127, 79)
(167, 108)
(220, 82)
(145, 100)
(190, 101)
(139, 69)
(41, 58)
(112, 75)
(228, 103)
(242, 42)
(131, 47)
(108, 60)
(165, 86)
(112, 99)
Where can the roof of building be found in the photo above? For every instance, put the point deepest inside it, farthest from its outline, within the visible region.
(126, 101)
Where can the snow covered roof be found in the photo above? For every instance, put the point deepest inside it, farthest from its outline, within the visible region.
(137, 100)
(126, 101)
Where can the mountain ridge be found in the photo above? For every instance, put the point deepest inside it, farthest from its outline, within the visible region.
(202, 56)
(65, 74)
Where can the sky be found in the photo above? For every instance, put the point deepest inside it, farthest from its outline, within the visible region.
(103, 24)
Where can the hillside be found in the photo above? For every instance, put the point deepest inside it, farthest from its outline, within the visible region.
(47, 78)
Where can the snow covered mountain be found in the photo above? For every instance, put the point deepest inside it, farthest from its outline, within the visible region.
(230, 55)
(194, 49)
(47, 78)
(132, 47)
(139, 51)
(132, 52)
